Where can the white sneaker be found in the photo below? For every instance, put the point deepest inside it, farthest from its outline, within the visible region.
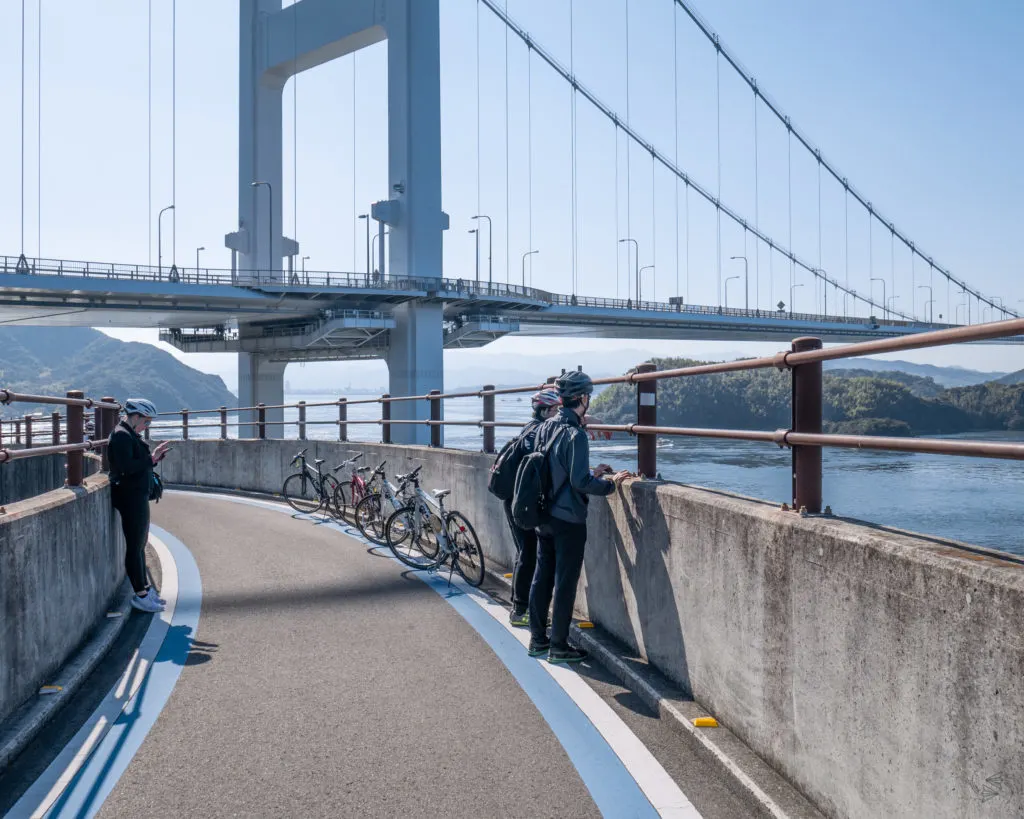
(146, 604)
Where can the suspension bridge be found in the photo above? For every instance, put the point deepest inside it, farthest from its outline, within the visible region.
(810, 255)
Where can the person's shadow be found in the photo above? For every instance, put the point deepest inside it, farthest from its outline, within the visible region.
(629, 591)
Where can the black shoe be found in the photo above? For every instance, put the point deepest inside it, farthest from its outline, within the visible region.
(519, 618)
(538, 647)
(568, 654)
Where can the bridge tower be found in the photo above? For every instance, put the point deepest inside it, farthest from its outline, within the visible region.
(276, 44)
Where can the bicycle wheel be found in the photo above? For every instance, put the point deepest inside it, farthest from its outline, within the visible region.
(300, 491)
(469, 557)
(342, 494)
(331, 487)
(370, 520)
(411, 540)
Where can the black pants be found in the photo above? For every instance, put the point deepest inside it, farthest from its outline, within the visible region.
(559, 563)
(135, 525)
(526, 561)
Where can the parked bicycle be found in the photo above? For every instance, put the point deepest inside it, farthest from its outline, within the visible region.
(350, 492)
(425, 535)
(382, 498)
(309, 489)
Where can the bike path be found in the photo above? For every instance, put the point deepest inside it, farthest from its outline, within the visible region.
(324, 680)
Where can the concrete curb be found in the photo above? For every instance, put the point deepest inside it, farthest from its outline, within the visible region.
(774, 794)
(24, 724)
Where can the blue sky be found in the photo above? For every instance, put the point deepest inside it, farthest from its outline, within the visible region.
(918, 103)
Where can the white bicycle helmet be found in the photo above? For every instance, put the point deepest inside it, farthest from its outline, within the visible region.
(140, 406)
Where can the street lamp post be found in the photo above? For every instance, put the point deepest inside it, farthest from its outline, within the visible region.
(640, 281)
(270, 220)
(885, 302)
(729, 279)
(931, 301)
(197, 261)
(476, 237)
(527, 253)
(490, 246)
(746, 281)
(636, 264)
(891, 309)
(792, 295)
(366, 216)
(304, 265)
(160, 239)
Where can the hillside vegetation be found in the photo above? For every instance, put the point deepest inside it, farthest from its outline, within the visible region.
(854, 402)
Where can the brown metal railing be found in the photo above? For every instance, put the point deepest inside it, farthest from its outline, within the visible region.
(22, 432)
(804, 437)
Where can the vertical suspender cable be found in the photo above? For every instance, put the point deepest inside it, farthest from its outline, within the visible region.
(174, 131)
(913, 284)
(39, 134)
(892, 263)
(757, 219)
(846, 232)
(817, 277)
(654, 228)
(355, 211)
(529, 152)
(23, 126)
(686, 193)
(675, 155)
(478, 108)
(629, 153)
(149, 125)
(295, 131)
(618, 272)
(508, 195)
(871, 255)
(789, 197)
(718, 140)
(572, 71)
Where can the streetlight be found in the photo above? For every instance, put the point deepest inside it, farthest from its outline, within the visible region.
(366, 216)
(476, 236)
(729, 279)
(636, 264)
(885, 303)
(377, 251)
(891, 299)
(640, 280)
(160, 239)
(931, 301)
(490, 246)
(304, 265)
(746, 280)
(527, 253)
(197, 260)
(270, 222)
(792, 296)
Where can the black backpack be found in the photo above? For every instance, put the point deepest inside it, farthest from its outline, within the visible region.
(502, 480)
(532, 498)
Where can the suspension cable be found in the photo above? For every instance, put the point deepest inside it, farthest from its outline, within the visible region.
(23, 127)
(478, 110)
(654, 231)
(508, 195)
(39, 133)
(529, 152)
(819, 225)
(747, 77)
(675, 155)
(572, 55)
(757, 207)
(701, 190)
(174, 132)
(686, 193)
(629, 156)
(846, 233)
(618, 266)
(789, 199)
(871, 257)
(892, 262)
(913, 286)
(149, 121)
(355, 208)
(718, 198)
(295, 131)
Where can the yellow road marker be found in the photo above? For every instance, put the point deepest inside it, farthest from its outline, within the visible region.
(585, 624)
(706, 722)
(507, 574)
(51, 689)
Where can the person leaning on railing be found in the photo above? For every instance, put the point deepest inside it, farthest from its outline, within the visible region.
(132, 485)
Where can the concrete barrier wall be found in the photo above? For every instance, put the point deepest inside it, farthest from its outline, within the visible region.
(881, 672)
(29, 477)
(61, 560)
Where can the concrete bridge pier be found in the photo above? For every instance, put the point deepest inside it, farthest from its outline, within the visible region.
(260, 381)
(415, 367)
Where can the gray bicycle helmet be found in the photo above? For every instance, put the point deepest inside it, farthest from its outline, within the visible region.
(140, 406)
(574, 384)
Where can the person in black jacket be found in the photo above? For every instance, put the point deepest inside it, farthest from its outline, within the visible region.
(131, 479)
(562, 538)
(545, 404)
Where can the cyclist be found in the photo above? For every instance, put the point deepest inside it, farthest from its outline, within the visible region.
(131, 480)
(545, 404)
(562, 538)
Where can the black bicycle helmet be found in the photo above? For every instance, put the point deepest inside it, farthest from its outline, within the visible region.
(574, 384)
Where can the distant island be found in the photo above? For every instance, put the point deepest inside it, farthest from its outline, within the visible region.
(856, 401)
(53, 360)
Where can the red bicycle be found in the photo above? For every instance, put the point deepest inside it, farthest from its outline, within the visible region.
(348, 493)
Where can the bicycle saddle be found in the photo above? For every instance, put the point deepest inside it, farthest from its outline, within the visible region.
(441, 493)
(318, 461)
(363, 469)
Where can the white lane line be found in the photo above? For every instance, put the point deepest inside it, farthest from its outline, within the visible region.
(661, 789)
(42, 794)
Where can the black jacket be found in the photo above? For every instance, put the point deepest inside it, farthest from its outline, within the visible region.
(568, 461)
(131, 464)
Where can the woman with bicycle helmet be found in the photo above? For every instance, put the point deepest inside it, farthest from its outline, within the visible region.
(544, 403)
(131, 481)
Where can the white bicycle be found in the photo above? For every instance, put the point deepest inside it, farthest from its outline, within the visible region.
(382, 499)
(425, 535)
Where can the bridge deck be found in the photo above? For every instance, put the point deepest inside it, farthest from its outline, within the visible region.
(324, 681)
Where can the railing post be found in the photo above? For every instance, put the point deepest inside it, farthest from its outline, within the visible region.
(17, 431)
(109, 418)
(28, 431)
(184, 425)
(807, 403)
(75, 429)
(223, 423)
(647, 416)
(55, 432)
(342, 419)
(435, 415)
(302, 420)
(488, 418)
(385, 416)
(261, 421)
